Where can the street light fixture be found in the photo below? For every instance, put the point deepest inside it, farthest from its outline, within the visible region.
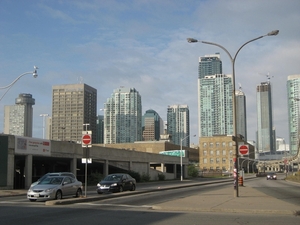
(34, 74)
(192, 40)
(181, 140)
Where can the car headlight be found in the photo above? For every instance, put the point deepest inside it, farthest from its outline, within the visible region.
(114, 184)
(49, 190)
(98, 185)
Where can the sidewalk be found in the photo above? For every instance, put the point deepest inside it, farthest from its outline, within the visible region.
(249, 201)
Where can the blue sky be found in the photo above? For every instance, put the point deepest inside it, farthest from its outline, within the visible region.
(142, 44)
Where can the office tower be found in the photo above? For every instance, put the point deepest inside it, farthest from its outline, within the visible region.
(100, 129)
(18, 118)
(152, 126)
(265, 133)
(293, 90)
(72, 106)
(123, 117)
(178, 124)
(215, 105)
(209, 65)
(241, 124)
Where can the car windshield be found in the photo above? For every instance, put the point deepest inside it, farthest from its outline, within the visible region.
(52, 180)
(113, 178)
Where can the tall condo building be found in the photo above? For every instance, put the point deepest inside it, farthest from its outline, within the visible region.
(209, 65)
(293, 90)
(18, 118)
(123, 117)
(215, 105)
(178, 124)
(72, 106)
(152, 126)
(100, 129)
(265, 134)
(241, 121)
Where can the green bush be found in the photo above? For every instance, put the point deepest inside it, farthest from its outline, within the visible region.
(94, 178)
(135, 175)
(192, 171)
(161, 176)
(145, 177)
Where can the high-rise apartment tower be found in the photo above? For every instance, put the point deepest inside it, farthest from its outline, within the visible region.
(123, 117)
(215, 105)
(178, 124)
(293, 90)
(72, 106)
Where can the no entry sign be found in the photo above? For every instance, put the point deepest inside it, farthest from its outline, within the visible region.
(244, 149)
(86, 139)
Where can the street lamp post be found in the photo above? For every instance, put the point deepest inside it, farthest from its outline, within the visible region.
(44, 115)
(34, 74)
(192, 40)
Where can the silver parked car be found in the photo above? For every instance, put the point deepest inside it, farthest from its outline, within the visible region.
(53, 174)
(55, 187)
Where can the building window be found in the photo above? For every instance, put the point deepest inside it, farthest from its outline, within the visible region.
(217, 144)
(205, 160)
(204, 153)
(223, 160)
(218, 152)
(223, 152)
(223, 144)
(211, 152)
(217, 160)
(204, 144)
(211, 145)
(211, 160)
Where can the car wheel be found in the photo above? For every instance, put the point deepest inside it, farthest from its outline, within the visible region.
(132, 187)
(121, 188)
(78, 192)
(58, 195)
(32, 200)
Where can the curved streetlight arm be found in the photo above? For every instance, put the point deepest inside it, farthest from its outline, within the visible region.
(34, 74)
(232, 59)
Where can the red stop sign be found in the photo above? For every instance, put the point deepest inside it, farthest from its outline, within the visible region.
(86, 139)
(243, 149)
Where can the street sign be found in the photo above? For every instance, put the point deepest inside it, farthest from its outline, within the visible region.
(244, 149)
(86, 139)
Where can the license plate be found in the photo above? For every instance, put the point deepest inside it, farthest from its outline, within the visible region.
(36, 195)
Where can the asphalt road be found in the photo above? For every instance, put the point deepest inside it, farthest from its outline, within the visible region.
(137, 209)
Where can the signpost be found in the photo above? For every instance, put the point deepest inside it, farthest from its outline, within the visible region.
(86, 143)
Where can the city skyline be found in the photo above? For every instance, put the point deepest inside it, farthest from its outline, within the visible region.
(108, 44)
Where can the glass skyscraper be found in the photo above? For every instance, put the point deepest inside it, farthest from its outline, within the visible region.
(152, 126)
(123, 117)
(215, 105)
(209, 65)
(265, 134)
(241, 122)
(178, 124)
(293, 91)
